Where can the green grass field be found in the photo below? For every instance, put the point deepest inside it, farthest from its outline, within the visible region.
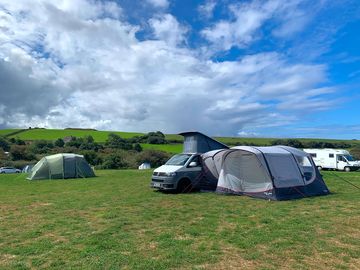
(4, 132)
(53, 134)
(115, 221)
(101, 136)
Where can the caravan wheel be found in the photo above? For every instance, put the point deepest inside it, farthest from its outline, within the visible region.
(319, 168)
(347, 169)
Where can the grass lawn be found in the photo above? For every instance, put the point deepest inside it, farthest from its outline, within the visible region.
(116, 221)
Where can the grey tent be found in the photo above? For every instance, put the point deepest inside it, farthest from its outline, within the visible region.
(196, 142)
(61, 166)
(277, 172)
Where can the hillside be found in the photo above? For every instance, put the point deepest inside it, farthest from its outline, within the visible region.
(101, 136)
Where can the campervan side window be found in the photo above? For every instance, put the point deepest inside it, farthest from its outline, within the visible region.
(313, 155)
(331, 155)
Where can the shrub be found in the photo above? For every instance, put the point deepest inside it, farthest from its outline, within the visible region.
(154, 157)
(91, 157)
(19, 152)
(4, 144)
(59, 143)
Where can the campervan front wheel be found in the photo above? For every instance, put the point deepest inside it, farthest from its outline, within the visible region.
(184, 186)
(347, 169)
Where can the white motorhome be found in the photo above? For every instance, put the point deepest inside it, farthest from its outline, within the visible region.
(336, 159)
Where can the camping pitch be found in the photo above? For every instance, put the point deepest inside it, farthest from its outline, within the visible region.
(276, 172)
(61, 166)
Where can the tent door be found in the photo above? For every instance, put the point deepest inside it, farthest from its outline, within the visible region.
(69, 168)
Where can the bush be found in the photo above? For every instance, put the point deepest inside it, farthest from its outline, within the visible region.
(115, 141)
(288, 142)
(92, 157)
(137, 147)
(356, 152)
(114, 161)
(19, 152)
(156, 138)
(154, 157)
(41, 147)
(59, 143)
(4, 144)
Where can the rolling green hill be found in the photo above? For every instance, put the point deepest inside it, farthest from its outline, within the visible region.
(174, 147)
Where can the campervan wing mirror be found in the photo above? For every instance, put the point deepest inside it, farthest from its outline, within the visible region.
(193, 164)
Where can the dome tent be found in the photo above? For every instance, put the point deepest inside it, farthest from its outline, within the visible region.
(61, 166)
(275, 172)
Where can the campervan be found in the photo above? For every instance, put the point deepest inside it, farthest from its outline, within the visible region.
(336, 159)
(183, 171)
(180, 173)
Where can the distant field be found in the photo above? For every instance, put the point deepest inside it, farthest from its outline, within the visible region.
(115, 221)
(101, 136)
(53, 134)
(171, 148)
(4, 132)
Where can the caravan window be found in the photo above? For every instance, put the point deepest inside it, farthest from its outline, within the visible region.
(331, 155)
(313, 155)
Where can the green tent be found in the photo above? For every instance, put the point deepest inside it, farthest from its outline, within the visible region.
(61, 166)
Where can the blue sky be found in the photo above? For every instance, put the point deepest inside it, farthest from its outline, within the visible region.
(237, 68)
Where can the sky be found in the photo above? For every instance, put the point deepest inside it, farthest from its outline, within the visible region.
(232, 68)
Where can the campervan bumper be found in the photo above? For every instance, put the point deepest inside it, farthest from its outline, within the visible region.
(163, 183)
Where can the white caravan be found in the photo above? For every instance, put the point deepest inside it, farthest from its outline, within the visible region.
(336, 159)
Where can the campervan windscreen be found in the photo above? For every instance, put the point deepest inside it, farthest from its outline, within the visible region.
(349, 158)
(178, 160)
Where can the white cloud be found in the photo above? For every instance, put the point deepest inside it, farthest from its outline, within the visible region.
(168, 29)
(207, 9)
(159, 3)
(247, 19)
(76, 63)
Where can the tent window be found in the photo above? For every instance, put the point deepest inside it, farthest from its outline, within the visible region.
(285, 170)
(243, 172)
(306, 167)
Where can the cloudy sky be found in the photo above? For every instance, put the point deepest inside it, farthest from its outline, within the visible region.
(238, 68)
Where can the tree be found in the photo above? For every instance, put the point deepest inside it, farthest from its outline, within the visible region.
(115, 141)
(156, 138)
(59, 143)
(154, 157)
(92, 157)
(137, 147)
(114, 161)
(19, 152)
(4, 144)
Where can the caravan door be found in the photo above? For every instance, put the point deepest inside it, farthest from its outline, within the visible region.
(340, 162)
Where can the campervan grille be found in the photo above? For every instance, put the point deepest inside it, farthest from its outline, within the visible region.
(157, 180)
(159, 174)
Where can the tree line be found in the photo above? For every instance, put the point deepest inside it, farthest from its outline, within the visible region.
(115, 153)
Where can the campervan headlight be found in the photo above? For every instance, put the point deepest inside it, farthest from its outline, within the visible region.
(170, 173)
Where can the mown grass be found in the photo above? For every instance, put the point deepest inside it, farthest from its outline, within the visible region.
(115, 221)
